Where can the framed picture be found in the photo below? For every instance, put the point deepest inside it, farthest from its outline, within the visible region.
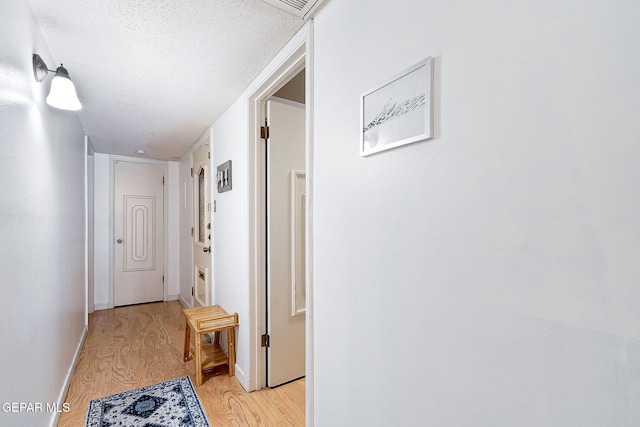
(224, 177)
(399, 111)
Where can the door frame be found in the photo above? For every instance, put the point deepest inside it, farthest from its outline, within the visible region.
(298, 53)
(89, 195)
(112, 195)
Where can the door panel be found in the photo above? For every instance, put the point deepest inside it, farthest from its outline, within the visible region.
(139, 229)
(285, 318)
(202, 232)
(139, 233)
(298, 242)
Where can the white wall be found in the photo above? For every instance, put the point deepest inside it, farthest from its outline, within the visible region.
(230, 227)
(103, 179)
(42, 217)
(490, 276)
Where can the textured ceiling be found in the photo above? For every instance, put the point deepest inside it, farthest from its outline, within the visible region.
(155, 74)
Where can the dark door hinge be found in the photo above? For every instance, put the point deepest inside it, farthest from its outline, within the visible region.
(265, 340)
(209, 155)
(191, 171)
(264, 132)
(191, 231)
(162, 279)
(192, 291)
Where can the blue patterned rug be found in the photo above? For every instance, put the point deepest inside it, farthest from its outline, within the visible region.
(169, 404)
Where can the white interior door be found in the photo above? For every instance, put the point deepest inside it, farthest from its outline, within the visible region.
(202, 227)
(139, 229)
(285, 241)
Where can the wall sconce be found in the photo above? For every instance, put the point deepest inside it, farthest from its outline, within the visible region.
(63, 93)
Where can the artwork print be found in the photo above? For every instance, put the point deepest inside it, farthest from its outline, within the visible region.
(398, 112)
(224, 177)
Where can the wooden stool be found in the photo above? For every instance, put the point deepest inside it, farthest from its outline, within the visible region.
(204, 320)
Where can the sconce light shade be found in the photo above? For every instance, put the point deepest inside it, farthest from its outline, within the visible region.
(62, 93)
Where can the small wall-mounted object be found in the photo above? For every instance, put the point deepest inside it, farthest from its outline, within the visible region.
(62, 94)
(224, 177)
(398, 112)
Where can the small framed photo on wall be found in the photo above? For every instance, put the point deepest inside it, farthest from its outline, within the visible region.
(224, 177)
(398, 112)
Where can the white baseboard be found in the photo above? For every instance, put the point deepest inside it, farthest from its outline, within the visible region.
(69, 377)
(184, 302)
(242, 378)
(169, 298)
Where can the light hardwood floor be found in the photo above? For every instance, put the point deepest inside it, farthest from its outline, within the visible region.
(134, 346)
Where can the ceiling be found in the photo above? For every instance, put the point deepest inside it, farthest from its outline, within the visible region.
(155, 74)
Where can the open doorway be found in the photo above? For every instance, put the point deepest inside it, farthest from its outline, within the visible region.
(293, 59)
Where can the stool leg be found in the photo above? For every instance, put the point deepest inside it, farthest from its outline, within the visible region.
(198, 357)
(231, 350)
(187, 338)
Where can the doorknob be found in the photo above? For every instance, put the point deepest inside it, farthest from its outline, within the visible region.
(205, 249)
(119, 241)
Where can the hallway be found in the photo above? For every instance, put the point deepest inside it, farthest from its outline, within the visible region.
(499, 258)
(134, 346)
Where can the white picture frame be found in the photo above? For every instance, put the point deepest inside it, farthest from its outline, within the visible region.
(398, 112)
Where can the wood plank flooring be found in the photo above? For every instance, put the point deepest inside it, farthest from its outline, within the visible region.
(135, 346)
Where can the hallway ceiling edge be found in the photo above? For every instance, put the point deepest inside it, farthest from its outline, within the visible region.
(155, 74)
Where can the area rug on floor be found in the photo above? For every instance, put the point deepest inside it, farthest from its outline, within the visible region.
(169, 404)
